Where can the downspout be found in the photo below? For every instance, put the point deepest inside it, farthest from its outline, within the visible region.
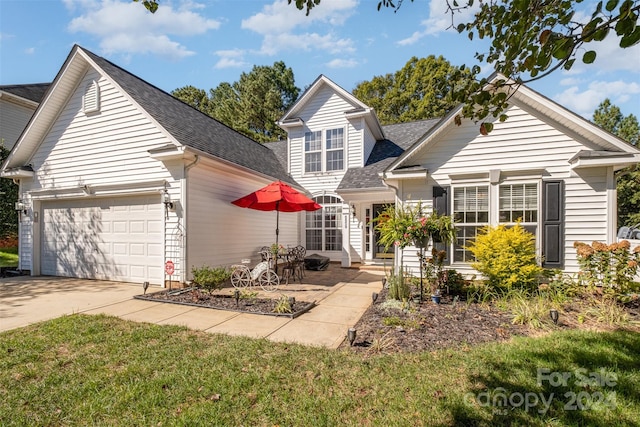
(185, 210)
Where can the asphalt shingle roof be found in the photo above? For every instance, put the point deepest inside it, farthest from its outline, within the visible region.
(400, 137)
(193, 128)
(33, 92)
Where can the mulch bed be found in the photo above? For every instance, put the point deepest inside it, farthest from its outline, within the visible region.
(199, 298)
(426, 326)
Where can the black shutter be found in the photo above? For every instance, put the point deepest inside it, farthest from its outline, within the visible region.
(441, 207)
(441, 200)
(553, 224)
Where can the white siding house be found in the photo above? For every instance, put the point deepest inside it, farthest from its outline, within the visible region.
(119, 177)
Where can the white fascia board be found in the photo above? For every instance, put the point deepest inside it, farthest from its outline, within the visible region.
(367, 195)
(145, 187)
(15, 99)
(290, 123)
(16, 173)
(400, 175)
(617, 162)
(171, 153)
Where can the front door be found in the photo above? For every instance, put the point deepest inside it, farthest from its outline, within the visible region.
(379, 252)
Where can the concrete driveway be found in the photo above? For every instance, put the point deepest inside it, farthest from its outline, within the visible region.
(25, 300)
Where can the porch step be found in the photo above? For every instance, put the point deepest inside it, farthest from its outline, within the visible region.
(371, 267)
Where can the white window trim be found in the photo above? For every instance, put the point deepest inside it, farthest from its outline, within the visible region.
(482, 179)
(323, 154)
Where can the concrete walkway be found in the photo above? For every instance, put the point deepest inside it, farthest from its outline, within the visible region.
(341, 295)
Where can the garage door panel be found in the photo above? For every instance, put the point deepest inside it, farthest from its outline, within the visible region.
(137, 227)
(115, 239)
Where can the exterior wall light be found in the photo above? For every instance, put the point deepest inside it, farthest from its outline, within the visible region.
(353, 210)
(166, 199)
(22, 207)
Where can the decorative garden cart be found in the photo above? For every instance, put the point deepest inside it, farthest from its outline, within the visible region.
(262, 275)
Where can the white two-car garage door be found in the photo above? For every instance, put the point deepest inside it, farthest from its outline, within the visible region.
(103, 238)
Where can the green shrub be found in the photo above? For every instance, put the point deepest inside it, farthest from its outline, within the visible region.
(210, 278)
(506, 256)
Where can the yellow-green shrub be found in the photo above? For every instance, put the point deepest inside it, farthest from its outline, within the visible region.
(506, 256)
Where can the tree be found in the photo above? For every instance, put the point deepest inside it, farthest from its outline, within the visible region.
(252, 105)
(529, 40)
(195, 97)
(8, 196)
(420, 90)
(609, 117)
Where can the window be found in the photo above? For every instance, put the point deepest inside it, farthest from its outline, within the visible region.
(335, 149)
(313, 151)
(470, 212)
(324, 226)
(333, 152)
(519, 202)
(516, 202)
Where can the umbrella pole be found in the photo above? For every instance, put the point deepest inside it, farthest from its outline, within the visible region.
(275, 261)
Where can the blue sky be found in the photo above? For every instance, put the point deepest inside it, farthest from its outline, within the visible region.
(206, 42)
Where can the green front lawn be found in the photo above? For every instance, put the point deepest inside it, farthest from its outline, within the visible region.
(8, 257)
(98, 370)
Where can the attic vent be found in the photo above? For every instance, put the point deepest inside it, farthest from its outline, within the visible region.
(91, 98)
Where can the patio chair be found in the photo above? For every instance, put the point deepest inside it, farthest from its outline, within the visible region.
(290, 267)
(299, 253)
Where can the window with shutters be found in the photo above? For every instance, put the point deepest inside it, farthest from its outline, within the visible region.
(91, 98)
(517, 202)
(470, 213)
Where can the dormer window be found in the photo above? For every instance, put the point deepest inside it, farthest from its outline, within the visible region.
(328, 152)
(91, 98)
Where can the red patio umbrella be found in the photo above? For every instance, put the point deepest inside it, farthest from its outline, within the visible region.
(278, 197)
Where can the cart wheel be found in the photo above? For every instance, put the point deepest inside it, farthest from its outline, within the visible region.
(269, 281)
(240, 278)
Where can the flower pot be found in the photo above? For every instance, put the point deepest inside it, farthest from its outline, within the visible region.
(435, 299)
(421, 243)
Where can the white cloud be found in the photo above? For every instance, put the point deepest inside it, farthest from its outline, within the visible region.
(30, 50)
(128, 28)
(279, 24)
(229, 63)
(233, 58)
(274, 43)
(439, 20)
(342, 63)
(585, 101)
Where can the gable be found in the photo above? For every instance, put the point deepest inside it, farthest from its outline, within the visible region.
(326, 108)
(106, 146)
(536, 131)
(180, 123)
(309, 101)
(522, 142)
